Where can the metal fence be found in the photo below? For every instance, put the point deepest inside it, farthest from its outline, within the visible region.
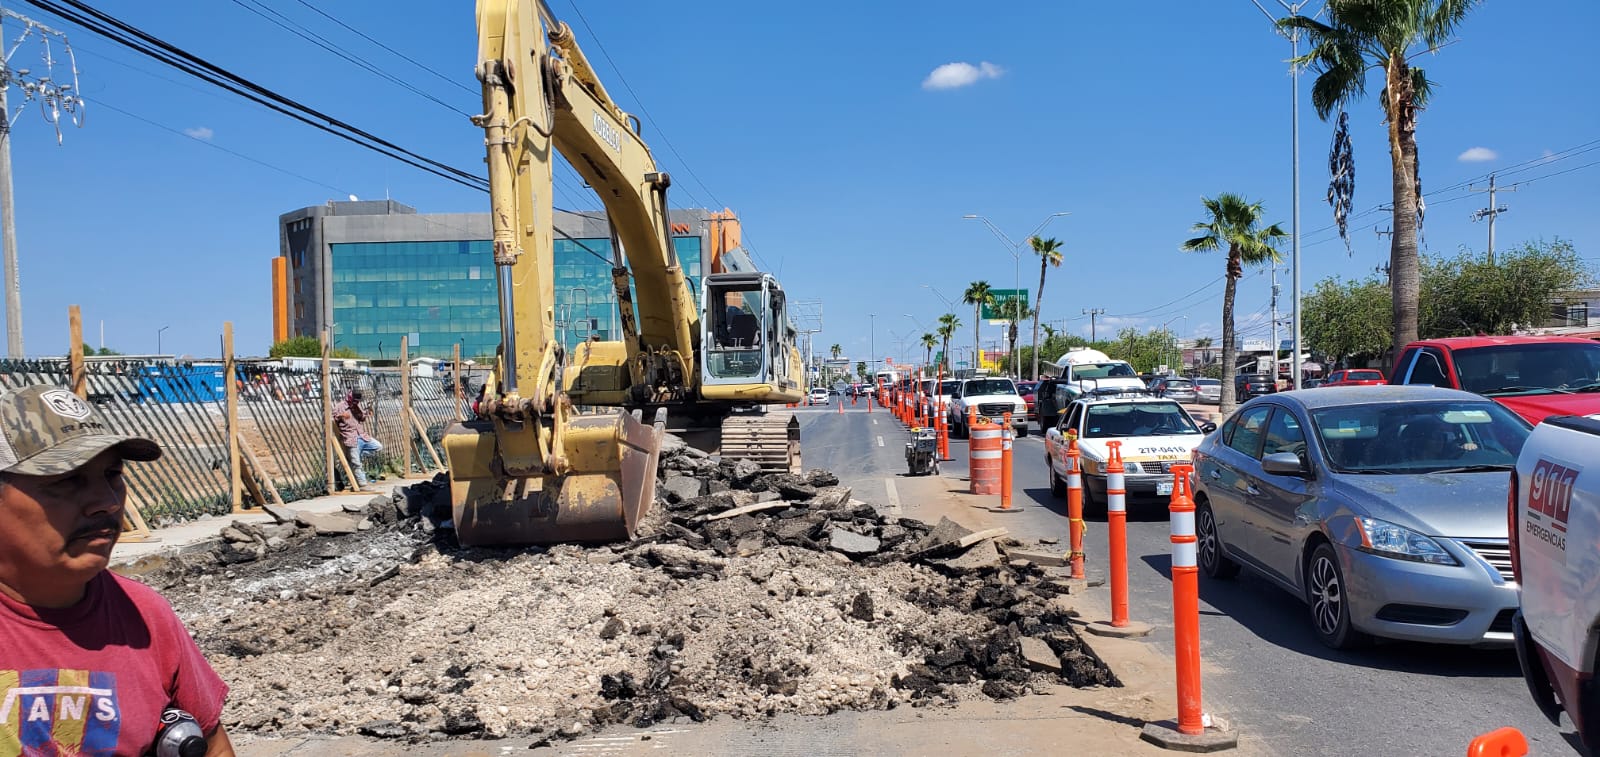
(281, 425)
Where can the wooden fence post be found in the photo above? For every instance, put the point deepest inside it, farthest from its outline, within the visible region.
(79, 379)
(455, 377)
(405, 404)
(327, 411)
(230, 373)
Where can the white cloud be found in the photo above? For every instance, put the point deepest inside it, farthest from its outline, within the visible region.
(954, 75)
(200, 132)
(1477, 155)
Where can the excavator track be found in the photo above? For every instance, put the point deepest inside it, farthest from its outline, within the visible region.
(770, 439)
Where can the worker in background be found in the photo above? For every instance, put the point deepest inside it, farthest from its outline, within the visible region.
(89, 660)
(349, 419)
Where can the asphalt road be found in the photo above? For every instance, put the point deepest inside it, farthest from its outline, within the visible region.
(1264, 670)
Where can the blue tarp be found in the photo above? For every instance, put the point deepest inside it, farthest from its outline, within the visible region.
(181, 383)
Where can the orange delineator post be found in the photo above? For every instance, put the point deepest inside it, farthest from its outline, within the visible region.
(1500, 742)
(841, 404)
(983, 454)
(941, 424)
(1005, 462)
(1186, 603)
(1075, 505)
(1117, 534)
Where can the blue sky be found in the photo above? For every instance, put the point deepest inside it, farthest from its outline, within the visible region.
(851, 176)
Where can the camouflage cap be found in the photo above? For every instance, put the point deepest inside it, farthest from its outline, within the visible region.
(47, 430)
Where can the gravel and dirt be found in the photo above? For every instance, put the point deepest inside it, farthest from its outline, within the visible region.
(748, 595)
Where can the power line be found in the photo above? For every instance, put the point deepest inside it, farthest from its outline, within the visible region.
(139, 41)
(287, 24)
(393, 51)
(644, 111)
(1554, 157)
(215, 146)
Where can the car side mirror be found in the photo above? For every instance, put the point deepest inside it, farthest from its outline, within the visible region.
(1284, 464)
(1207, 427)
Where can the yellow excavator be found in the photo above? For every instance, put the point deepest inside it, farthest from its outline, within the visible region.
(532, 468)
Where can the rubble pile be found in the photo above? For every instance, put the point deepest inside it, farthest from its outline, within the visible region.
(748, 594)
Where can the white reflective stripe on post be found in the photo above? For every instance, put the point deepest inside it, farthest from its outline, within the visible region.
(1183, 523)
(1114, 482)
(986, 454)
(1184, 554)
(1116, 495)
(1074, 481)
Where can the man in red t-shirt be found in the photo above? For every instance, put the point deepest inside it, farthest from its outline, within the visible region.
(88, 659)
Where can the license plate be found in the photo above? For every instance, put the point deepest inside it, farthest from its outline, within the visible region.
(1163, 488)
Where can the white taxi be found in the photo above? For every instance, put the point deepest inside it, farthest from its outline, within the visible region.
(1155, 433)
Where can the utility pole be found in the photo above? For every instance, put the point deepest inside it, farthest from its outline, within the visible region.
(1275, 342)
(56, 98)
(1092, 312)
(1492, 211)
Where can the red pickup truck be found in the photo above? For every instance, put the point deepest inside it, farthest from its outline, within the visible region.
(1356, 377)
(1533, 376)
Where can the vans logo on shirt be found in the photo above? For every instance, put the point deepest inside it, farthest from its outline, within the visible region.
(58, 711)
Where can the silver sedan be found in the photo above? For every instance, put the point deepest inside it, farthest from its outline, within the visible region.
(1384, 508)
(1208, 391)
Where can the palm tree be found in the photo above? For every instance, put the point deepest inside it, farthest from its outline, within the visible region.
(1204, 345)
(948, 323)
(929, 341)
(1233, 224)
(1362, 35)
(1049, 252)
(978, 294)
(1013, 312)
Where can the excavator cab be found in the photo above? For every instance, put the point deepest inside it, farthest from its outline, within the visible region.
(745, 331)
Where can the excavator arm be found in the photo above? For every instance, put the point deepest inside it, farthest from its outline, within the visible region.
(529, 470)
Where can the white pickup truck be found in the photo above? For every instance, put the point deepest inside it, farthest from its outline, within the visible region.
(993, 398)
(1554, 513)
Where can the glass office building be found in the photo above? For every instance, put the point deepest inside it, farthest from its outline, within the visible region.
(376, 273)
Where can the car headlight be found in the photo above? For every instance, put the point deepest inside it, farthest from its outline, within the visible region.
(1091, 465)
(1131, 468)
(1387, 539)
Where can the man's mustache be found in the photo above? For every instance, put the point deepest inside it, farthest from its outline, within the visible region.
(95, 526)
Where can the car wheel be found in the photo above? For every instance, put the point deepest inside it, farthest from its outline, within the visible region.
(1093, 504)
(1021, 431)
(1329, 597)
(1058, 488)
(1213, 562)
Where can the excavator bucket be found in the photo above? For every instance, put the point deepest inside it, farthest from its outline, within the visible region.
(609, 487)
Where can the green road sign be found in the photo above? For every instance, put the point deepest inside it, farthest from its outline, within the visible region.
(1003, 298)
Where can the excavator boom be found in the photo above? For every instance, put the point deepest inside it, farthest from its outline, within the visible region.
(530, 469)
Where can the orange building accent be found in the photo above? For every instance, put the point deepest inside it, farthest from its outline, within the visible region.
(724, 236)
(280, 298)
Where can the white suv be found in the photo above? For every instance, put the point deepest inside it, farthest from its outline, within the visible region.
(993, 397)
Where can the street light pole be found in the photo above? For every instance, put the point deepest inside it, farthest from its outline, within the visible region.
(872, 341)
(1016, 271)
(158, 338)
(1293, 36)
